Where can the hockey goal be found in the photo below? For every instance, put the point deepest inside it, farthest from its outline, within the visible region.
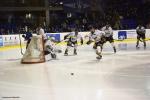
(35, 51)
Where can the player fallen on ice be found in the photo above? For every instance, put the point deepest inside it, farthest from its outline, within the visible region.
(140, 30)
(109, 35)
(50, 47)
(49, 43)
(72, 41)
(98, 38)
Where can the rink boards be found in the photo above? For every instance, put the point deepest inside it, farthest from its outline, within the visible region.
(127, 35)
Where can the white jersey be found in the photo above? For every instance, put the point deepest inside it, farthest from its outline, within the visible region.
(73, 37)
(96, 36)
(108, 31)
(49, 42)
(49, 46)
(41, 32)
(140, 30)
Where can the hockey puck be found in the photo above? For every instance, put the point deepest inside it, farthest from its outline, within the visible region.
(72, 73)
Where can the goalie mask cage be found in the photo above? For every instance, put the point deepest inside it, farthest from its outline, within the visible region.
(35, 51)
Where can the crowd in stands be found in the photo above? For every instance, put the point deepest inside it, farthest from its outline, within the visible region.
(120, 14)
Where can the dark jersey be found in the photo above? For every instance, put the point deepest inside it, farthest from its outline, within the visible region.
(28, 35)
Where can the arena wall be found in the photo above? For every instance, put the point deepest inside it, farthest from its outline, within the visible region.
(7, 40)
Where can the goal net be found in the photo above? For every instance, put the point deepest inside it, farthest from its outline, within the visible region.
(35, 51)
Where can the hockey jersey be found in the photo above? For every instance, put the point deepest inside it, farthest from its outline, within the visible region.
(140, 30)
(73, 37)
(108, 31)
(96, 36)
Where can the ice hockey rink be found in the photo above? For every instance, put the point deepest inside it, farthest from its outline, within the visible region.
(121, 76)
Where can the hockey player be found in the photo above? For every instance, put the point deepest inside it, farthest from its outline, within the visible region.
(49, 44)
(109, 35)
(50, 48)
(72, 39)
(96, 36)
(140, 30)
(40, 31)
(27, 36)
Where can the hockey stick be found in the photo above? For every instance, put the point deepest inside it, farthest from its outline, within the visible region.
(141, 40)
(21, 51)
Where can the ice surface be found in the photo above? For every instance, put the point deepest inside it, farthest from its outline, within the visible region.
(121, 76)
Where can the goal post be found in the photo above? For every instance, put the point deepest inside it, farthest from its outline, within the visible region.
(35, 51)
